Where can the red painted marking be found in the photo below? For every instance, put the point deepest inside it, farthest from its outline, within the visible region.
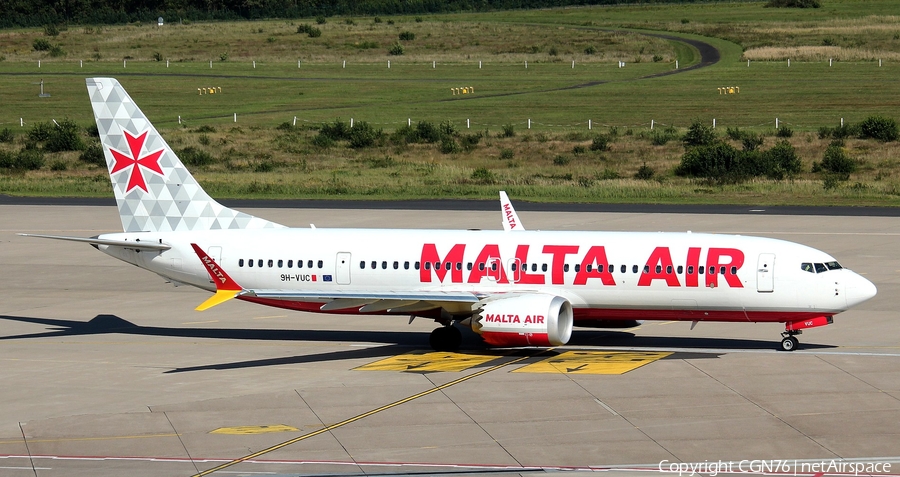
(150, 161)
(494, 338)
(808, 322)
(218, 276)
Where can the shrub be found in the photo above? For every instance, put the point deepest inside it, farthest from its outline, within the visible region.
(58, 166)
(64, 137)
(6, 135)
(51, 30)
(561, 160)
(590, 50)
(93, 154)
(836, 161)
(782, 160)
(314, 32)
(553, 51)
(751, 142)
(657, 58)
(362, 134)
(320, 20)
(407, 36)
(336, 131)
(41, 44)
(449, 145)
(880, 128)
(206, 128)
(418, 19)
(285, 126)
(483, 175)
(717, 161)
(600, 143)
(376, 20)
(470, 141)
(40, 131)
(56, 51)
(192, 156)
(28, 159)
(508, 131)
(322, 141)
(396, 49)
(699, 134)
(784, 132)
(644, 172)
(735, 134)
(579, 149)
(157, 56)
(506, 154)
(427, 132)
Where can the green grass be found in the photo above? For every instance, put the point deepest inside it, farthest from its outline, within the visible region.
(805, 96)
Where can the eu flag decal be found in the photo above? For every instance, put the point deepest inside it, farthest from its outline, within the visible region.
(326, 278)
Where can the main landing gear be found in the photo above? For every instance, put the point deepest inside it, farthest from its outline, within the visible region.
(789, 341)
(445, 338)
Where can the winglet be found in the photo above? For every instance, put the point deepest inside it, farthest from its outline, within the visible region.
(226, 287)
(510, 218)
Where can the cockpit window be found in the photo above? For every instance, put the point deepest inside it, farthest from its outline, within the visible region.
(807, 267)
(821, 268)
(833, 265)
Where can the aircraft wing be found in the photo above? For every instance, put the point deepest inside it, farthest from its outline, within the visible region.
(401, 302)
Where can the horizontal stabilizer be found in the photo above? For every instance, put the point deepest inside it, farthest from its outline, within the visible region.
(135, 245)
(220, 297)
(226, 287)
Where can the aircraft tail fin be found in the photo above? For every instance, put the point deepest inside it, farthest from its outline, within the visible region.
(154, 191)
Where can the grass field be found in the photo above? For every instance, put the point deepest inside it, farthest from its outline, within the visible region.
(550, 161)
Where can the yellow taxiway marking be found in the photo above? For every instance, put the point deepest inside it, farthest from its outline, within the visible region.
(368, 413)
(419, 361)
(199, 322)
(250, 430)
(593, 362)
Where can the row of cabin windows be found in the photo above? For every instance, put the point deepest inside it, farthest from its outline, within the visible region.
(272, 263)
(534, 267)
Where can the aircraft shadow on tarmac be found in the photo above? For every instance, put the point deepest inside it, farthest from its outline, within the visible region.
(395, 342)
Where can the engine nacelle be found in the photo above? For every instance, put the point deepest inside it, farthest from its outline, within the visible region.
(525, 320)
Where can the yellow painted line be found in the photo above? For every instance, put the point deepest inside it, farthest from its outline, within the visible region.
(418, 361)
(593, 362)
(667, 323)
(251, 430)
(77, 439)
(367, 414)
(199, 322)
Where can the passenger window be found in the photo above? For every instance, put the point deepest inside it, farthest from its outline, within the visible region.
(700, 270)
(481, 266)
(680, 269)
(321, 264)
(241, 262)
(721, 270)
(448, 266)
(406, 265)
(375, 265)
(690, 270)
(259, 263)
(659, 269)
(807, 267)
(566, 267)
(544, 267)
(271, 263)
(437, 265)
(610, 268)
(668, 269)
(427, 265)
(396, 265)
(469, 266)
(533, 267)
(634, 269)
(577, 267)
(589, 268)
(494, 266)
(712, 270)
(362, 264)
(646, 268)
(459, 265)
(290, 264)
(309, 264)
(820, 268)
(417, 265)
(280, 263)
(513, 267)
(734, 270)
(623, 268)
(250, 263)
(384, 265)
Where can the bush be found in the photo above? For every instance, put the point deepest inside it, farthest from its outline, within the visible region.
(561, 160)
(579, 149)
(322, 141)
(336, 131)
(51, 30)
(41, 44)
(719, 161)
(407, 36)
(836, 161)
(314, 33)
(6, 135)
(58, 166)
(40, 132)
(362, 134)
(590, 50)
(840, 132)
(320, 20)
(93, 154)
(192, 156)
(735, 134)
(449, 145)
(470, 141)
(28, 159)
(784, 132)
(699, 134)
(880, 128)
(600, 143)
(644, 172)
(157, 56)
(64, 137)
(782, 161)
(508, 131)
(56, 51)
(751, 142)
(793, 4)
(396, 49)
(483, 175)
(507, 154)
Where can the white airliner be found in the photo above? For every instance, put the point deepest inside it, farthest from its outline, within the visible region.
(513, 287)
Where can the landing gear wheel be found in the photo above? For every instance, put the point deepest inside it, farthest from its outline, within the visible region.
(445, 338)
(789, 343)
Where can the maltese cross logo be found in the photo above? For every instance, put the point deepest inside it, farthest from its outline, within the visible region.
(150, 161)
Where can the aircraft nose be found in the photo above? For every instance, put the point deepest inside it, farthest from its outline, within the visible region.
(859, 290)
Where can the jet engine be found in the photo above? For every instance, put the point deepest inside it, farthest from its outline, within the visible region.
(525, 320)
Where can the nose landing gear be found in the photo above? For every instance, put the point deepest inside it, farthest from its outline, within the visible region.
(789, 341)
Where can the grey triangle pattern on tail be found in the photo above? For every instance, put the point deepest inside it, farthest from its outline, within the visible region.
(165, 196)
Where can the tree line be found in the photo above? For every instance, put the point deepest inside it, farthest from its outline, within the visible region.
(30, 13)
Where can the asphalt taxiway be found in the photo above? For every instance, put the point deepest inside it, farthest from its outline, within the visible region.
(107, 370)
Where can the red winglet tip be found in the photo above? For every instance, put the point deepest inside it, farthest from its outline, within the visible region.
(216, 273)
